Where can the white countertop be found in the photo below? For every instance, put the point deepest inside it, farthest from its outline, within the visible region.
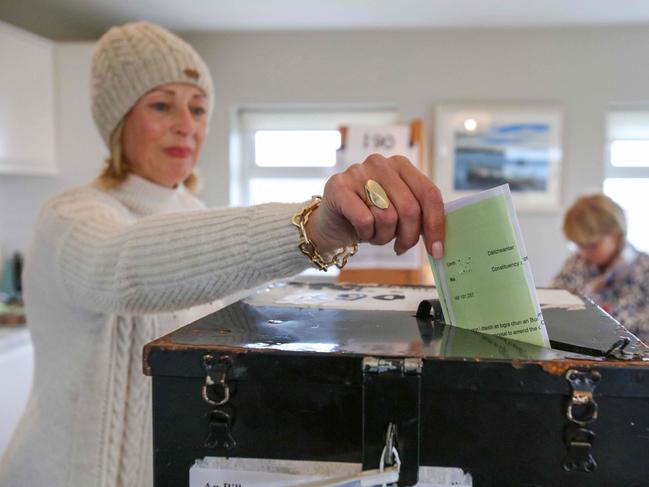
(16, 369)
(13, 337)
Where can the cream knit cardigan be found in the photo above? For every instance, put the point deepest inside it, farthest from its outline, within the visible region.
(108, 271)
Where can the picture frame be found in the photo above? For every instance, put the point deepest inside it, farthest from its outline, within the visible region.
(478, 147)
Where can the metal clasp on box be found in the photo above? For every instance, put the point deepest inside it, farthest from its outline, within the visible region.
(392, 399)
(381, 365)
(216, 368)
(581, 411)
(220, 421)
(582, 408)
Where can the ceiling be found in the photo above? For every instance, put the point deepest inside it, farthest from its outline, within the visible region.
(87, 19)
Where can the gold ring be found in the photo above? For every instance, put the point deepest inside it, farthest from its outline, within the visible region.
(376, 194)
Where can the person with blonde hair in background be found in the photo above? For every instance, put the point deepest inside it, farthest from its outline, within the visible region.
(134, 254)
(606, 267)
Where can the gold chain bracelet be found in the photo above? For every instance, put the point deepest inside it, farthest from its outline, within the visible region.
(307, 247)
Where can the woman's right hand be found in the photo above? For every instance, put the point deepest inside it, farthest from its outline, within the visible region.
(346, 216)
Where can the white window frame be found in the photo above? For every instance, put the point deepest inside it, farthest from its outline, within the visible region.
(626, 124)
(615, 133)
(250, 120)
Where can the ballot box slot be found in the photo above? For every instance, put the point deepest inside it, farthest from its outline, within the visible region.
(430, 322)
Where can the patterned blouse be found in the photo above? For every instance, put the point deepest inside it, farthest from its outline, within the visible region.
(622, 290)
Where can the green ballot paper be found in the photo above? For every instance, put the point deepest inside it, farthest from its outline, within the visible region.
(484, 280)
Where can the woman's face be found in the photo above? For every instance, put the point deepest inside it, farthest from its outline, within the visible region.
(164, 133)
(602, 250)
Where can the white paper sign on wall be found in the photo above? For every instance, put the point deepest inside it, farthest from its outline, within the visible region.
(387, 140)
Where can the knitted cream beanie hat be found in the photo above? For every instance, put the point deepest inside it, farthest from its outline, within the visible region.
(132, 59)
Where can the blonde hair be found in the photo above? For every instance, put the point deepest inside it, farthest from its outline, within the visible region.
(116, 168)
(593, 216)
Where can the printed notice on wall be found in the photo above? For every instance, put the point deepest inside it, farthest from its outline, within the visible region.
(484, 280)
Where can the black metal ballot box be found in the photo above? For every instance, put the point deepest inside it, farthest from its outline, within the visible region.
(318, 371)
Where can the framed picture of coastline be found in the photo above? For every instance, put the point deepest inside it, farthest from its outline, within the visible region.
(478, 147)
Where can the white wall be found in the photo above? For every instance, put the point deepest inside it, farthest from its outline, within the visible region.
(585, 70)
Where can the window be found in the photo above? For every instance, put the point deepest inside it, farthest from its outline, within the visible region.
(627, 170)
(288, 155)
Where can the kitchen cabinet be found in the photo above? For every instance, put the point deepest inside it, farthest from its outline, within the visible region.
(27, 126)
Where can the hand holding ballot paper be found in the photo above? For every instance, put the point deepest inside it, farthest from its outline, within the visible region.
(484, 280)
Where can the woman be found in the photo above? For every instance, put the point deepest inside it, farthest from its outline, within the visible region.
(606, 268)
(133, 255)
